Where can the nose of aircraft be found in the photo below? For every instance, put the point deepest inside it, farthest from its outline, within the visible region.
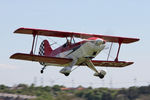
(100, 41)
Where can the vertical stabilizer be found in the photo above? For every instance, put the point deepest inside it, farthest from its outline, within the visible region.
(45, 49)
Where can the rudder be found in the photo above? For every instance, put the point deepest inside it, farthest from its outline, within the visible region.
(45, 50)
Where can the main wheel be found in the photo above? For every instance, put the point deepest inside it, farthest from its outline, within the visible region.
(66, 74)
(101, 76)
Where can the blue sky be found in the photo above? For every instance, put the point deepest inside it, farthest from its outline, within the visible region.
(130, 18)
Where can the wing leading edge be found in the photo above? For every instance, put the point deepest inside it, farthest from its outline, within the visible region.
(62, 34)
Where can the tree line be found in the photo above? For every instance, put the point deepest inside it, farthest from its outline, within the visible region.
(56, 93)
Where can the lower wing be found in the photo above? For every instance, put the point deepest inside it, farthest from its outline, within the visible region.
(37, 58)
(56, 60)
(100, 63)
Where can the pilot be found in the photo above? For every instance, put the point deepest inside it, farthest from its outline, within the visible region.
(67, 43)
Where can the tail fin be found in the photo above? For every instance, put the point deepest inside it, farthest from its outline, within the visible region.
(45, 48)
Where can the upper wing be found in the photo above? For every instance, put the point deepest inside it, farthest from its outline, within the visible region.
(74, 34)
(37, 58)
(100, 63)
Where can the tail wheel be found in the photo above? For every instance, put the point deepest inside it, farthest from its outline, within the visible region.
(42, 70)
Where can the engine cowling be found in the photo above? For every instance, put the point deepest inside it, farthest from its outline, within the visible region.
(101, 74)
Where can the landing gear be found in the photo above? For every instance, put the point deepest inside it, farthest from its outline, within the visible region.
(101, 74)
(42, 70)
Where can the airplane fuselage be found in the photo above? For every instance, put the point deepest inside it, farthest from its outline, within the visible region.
(81, 51)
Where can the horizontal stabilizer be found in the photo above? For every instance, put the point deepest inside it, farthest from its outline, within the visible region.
(37, 58)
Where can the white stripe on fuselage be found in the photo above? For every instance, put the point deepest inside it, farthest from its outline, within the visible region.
(82, 53)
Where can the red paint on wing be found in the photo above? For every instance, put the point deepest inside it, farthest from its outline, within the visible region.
(54, 33)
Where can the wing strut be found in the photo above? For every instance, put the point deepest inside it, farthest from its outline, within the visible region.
(34, 35)
(120, 42)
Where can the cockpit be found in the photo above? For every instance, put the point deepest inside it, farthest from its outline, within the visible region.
(68, 42)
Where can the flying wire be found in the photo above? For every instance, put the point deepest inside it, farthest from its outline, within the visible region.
(109, 51)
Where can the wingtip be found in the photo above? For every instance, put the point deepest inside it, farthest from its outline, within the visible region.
(138, 39)
(16, 31)
(12, 56)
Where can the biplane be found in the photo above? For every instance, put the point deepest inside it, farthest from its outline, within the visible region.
(72, 53)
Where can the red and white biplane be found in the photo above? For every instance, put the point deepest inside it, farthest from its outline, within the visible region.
(73, 54)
